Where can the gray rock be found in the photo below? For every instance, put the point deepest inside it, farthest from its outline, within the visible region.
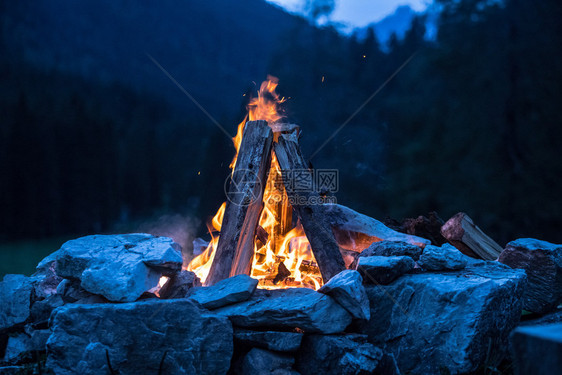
(71, 291)
(46, 281)
(25, 347)
(345, 222)
(339, 355)
(347, 289)
(228, 291)
(119, 267)
(393, 248)
(16, 292)
(47, 264)
(136, 337)
(383, 269)
(542, 261)
(179, 285)
(447, 322)
(537, 349)
(277, 341)
(444, 258)
(41, 310)
(553, 317)
(259, 362)
(289, 308)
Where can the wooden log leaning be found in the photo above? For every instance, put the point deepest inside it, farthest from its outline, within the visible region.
(283, 210)
(244, 205)
(308, 208)
(463, 234)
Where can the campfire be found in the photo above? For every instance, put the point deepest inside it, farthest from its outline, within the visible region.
(270, 226)
(354, 296)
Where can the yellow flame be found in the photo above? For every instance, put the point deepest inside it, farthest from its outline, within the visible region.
(291, 249)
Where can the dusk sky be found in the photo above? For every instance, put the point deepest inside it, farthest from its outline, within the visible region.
(359, 12)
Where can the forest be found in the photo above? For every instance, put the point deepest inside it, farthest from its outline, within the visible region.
(470, 123)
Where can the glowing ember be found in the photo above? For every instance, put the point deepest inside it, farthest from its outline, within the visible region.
(285, 259)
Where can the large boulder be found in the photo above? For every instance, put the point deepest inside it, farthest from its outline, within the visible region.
(138, 338)
(537, 349)
(542, 261)
(450, 322)
(355, 231)
(119, 267)
(347, 289)
(444, 258)
(234, 289)
(288, 309)
(382, 269)
(16, 292)
(342, 355)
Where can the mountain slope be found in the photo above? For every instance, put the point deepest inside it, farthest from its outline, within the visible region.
(214, 54)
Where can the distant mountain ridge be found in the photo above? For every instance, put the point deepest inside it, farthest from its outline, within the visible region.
(398, 23)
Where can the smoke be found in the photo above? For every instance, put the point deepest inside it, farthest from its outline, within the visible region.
(181, 228)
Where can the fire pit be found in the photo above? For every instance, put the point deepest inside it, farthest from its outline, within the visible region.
(290, 283)
(274, 225)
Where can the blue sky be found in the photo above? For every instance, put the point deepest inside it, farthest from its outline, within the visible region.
(359, 13)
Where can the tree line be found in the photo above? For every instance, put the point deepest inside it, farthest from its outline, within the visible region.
(471, 123)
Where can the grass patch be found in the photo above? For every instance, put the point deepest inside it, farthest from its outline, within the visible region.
(22, 256)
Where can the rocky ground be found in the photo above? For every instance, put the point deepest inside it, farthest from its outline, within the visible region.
(95, 306)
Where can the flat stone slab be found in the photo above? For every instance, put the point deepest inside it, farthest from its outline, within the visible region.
(441, 322)
(137, 337)
(286, 309)
(119, 267)
(542, 261)
(383, 269)
(444, 258)
(228, 291)
(537, 349)
(271, 340)
(393, 248)
(347, 289)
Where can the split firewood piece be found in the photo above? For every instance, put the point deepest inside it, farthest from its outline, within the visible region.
(283, 211)
(463, 234)
(306, 204)
(283, 128)
(244, 204)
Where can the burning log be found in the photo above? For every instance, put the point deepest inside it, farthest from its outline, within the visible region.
(310, 212)
(261, 235)
(463, 234)
(282, 210)
(235, 248)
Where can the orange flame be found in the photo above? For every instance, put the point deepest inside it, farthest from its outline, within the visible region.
(285, 259)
